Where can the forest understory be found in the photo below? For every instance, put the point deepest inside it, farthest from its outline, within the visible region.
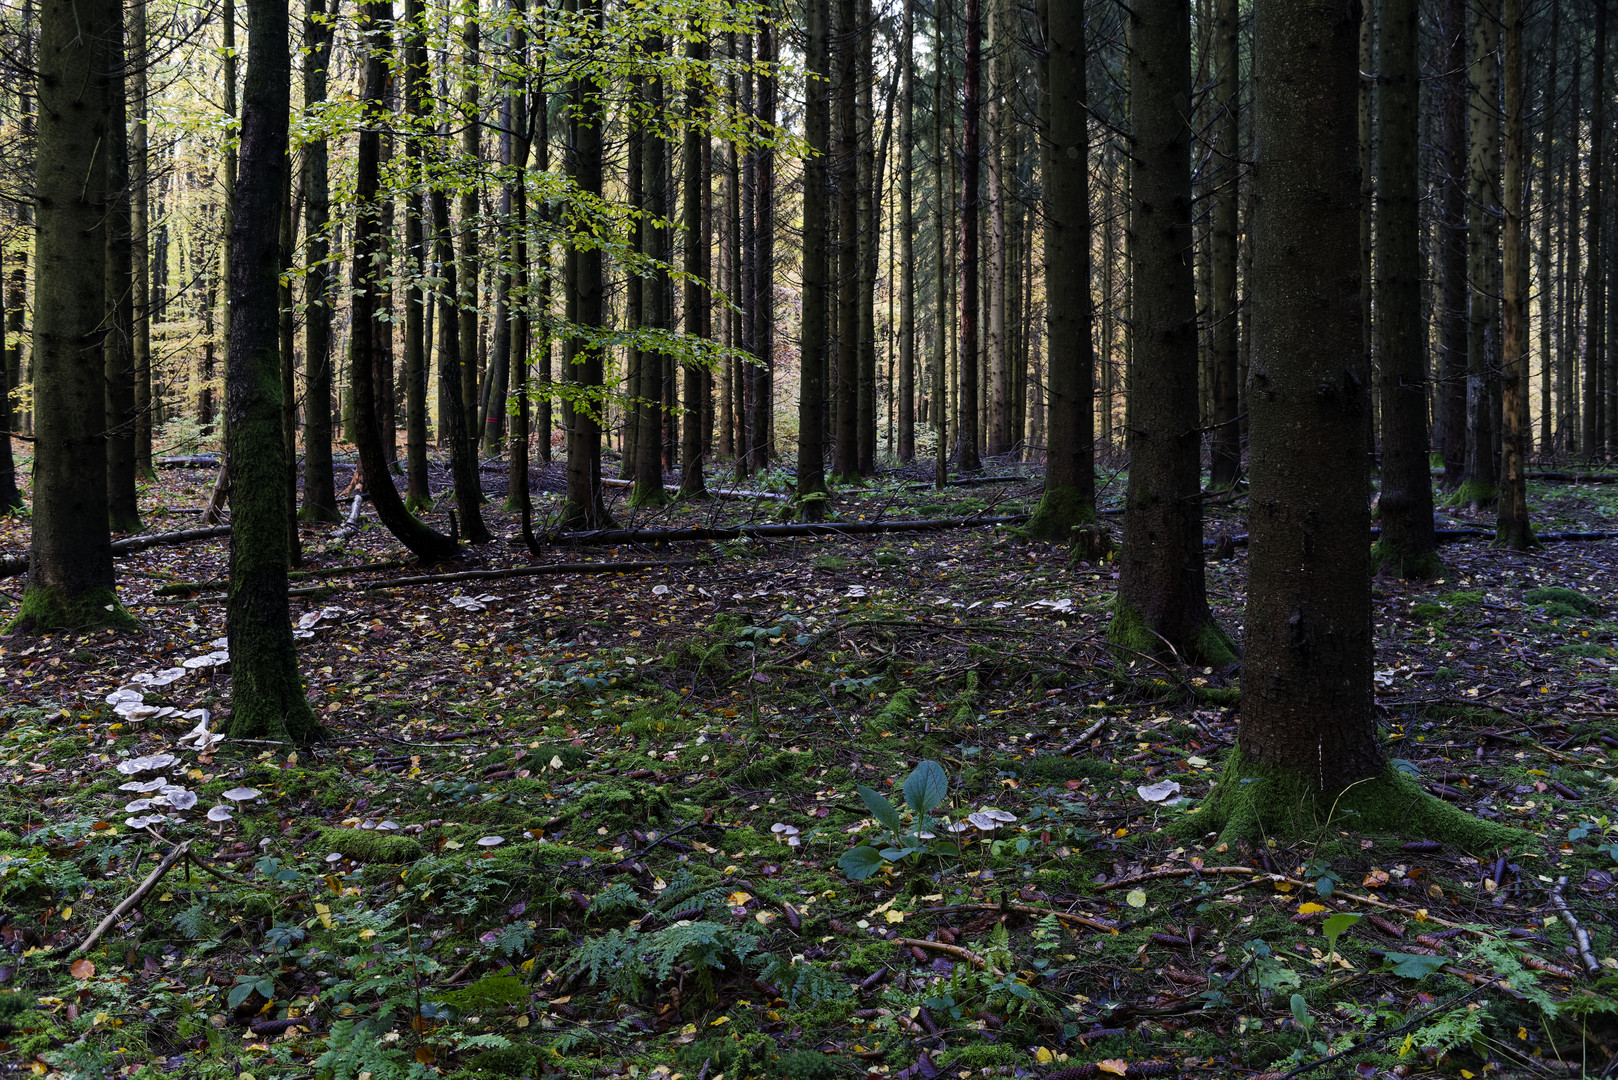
(600, 823)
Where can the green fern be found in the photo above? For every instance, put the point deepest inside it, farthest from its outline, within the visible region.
(194, 922)
(630, 963)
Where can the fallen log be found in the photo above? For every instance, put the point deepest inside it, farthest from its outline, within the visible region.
(129, 545)
(186, 588)
(975, 481)
(514, 571)
(1572, 477)
(736, 532)
(1446, 536)
(722, 493)
(199, 461)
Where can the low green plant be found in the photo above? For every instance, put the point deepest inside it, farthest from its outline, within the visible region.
(924, 791)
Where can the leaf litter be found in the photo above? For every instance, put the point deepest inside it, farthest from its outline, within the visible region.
(590, 825)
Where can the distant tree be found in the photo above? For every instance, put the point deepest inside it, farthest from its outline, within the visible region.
(1513, 528)
(695, 295)
(70, 573)
(267, 698)
(118, 349)
(319, 487)
(1479, 478)
(971, 159)
(1225, 464)
(1162, 605)
(1070, 487)
(1407, 546)
(907, 241)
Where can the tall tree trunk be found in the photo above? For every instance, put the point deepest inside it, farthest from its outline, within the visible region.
(267, 699)
(425, 542)
(653, 283)
(1570, 415)
(418, 296)
(542, 421)
(1478, 482)
(1452, 217)
(70, 572)
(10, 497)
(227, 185)
(140, 244)
(584, 507)
(847, 450)
(761, 375)
(971, 155)
(869, 236)
(1307, 725)
(123, 509)
(729, 269)
(943, 314)
(811, 482)
(463, 462)
(1512, 527)
(1225, 463)
(516, 236)
(694, 294)
(1162, 603)
(319, 485)
(287, 358)
(1549, 202)
(906, 227)
(999, 389)
(1407, 547)
(1070, 487)
(470, 265)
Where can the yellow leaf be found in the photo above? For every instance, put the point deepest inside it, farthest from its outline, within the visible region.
(1043, 1056)
(1115, 1066)
(1136, 898)
(324, 913)
(1375, 879)
(67, 912)
(367, 934)
(894, 916)
(721, 1020)
(738, 898)
(1311, 909)
(1120, 833)
(426, 1055)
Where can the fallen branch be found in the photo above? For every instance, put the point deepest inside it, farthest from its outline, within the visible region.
(1030, 909)
(128, 546)
(973, 481)
(134, 898)
(736, 532)
(956, 951)
(194, 462)
(185, 588)
(1581, 937)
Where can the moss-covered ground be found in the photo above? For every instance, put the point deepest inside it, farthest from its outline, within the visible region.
(591, 825)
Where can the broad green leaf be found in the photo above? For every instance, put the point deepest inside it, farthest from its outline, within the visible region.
(882, 810)
(1325, 886)
(1300, 1012)
(1336, 924)
(926, 787)
(1413, 965)
(861, 862)
(238, 994)
(1136, 898)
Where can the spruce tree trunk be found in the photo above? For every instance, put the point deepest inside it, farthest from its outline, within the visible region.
(943, 314)
(761, 375)
(971, 157)
(729, 272)
(426, 543)
(118, 353)
(846, 463)
(267, 698)
(1070, 490)
(1590, 440)
(1512, 526)
(1306, 698)
(1407, 546)
(1225, 463)
(999, 389)
(694, 293)
(584, 507)
(811, 482)
(653, 286)
(319, 485)
(515, 108)
(1549, 202)
(10, 497)
(1162, 605)
(1454, 289)
(470, 264)
(869, 236)
(542, 420)
(1478, 481)
(286, 327)
(418, 297)
(906, 227)
(70, 578)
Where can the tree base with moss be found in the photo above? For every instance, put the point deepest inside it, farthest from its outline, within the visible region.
(1060, 511)
(1476, 494)
(1388, 562)
(1209, 645)
(44, 609)
(1254, 802)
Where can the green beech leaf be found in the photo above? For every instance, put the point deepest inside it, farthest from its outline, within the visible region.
(1413, 965)
(861, 862)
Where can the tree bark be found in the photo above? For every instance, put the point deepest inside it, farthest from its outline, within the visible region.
(1162, 603)
(1407, 545)
(1070, 490)
(319, 485)
(761, 375)
(1225, 463)
(869, 236)
(267, 698)
(118, 354)
(70, 582)
(694, 294)
(906, 228)
(653, 283)
(140, 246)
(418, 297)
(1590, 440)
(999, 433)
(467, 306)
(1479, 479)
(846, 451)
(1452, 225)
(811, 481)
(971, 156)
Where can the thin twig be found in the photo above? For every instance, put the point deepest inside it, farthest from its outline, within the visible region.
(1581, 937)
(134, 898)
(938, 946)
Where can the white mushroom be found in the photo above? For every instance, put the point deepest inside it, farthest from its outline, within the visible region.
(220, 814)
(491, 841)
(150, 763)
(242, 794)
(180, 798)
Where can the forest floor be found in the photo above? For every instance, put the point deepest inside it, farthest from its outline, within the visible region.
(591, 824)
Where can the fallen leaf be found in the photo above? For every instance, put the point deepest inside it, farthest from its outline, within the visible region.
(83, 969)
(1115, 1066)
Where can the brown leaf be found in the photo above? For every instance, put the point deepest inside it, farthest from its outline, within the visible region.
(83, 969)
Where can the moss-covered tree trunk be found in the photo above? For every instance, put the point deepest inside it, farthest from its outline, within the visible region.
(427, 543)
(1407, 547)
(1162, 606)
(1479, 477)
(1070, 486)
(1307, 748)
(845, 162)
(585, 508)
(811, 484)
(70, 578)
(267, 698)
(319, 486)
